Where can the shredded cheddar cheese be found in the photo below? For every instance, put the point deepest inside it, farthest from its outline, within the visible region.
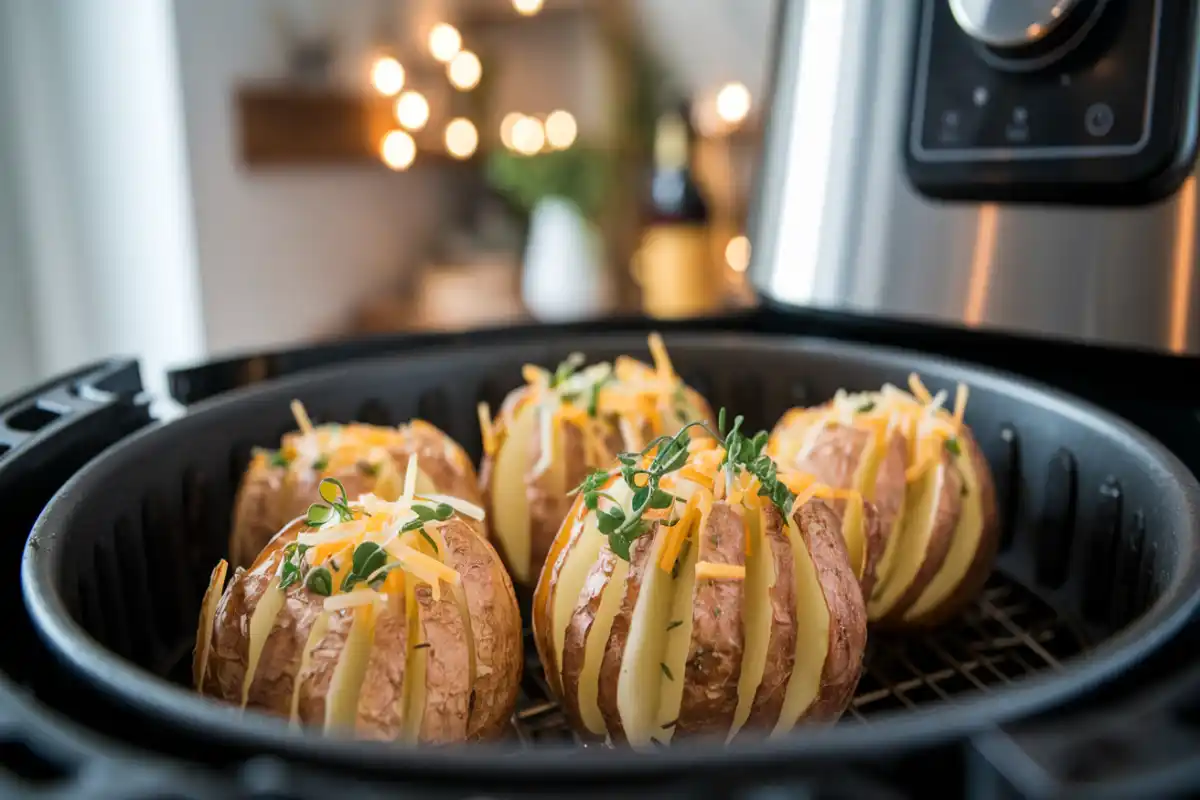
(708, 570)
(487, 430)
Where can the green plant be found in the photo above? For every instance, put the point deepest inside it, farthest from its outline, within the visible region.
(579, 174)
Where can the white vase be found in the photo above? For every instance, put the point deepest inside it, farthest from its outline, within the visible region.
(564, 276)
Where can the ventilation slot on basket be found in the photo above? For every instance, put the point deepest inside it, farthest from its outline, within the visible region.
(1101, 570)
(134, 586)
(1007, 474)
(1057, 525)
(170, 580)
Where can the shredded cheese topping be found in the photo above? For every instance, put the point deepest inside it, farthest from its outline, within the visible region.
(708, 570)
(627, 399)
(917, 413)
(381, 522)
(332, 449)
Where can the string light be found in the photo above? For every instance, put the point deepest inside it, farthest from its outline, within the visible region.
(733, 102)
(398, 150)
(528, 8)
(387, 76)
(561, 129)
(528, 136)
(461, 138)
(465, 70)
(737, 253)
(412, 110)
(506, 128)
(444, 42)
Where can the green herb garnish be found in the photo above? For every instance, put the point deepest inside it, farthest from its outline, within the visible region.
(679, 402)
(671, 453)
(321, 463)
(593, 407)
(952, 447)
(566, 369)
(439, 513)
(368, 557)
(319, 581)
(332, 492)
(866, 407)
(674, 625)
(717, 611)
(278, 459)
(292, 568)
(666, 671)
(367, 468)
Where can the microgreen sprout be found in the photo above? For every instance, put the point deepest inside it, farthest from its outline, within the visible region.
(333, 493)
(742, 453)
(291, 569)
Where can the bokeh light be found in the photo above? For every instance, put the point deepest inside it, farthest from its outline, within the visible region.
(444, 42)
(528, 8)
(737, 253)
(387, 76)
(398, 150)
(461, 138)
(464, 70)
(561, 129)
(412, 110)
(528, 136)
(733, 102)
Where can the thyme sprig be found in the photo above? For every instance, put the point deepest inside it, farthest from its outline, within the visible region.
(742, 453)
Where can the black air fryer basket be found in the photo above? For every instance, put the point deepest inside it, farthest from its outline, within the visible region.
(1098, 565)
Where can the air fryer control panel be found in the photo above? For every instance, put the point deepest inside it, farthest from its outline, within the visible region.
(1079, 101)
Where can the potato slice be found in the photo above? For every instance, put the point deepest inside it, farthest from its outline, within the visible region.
(577, 562)
(488, 608)
(628, 693)
(316, 633)
(586, 639)
(888, 491)
(208, 613)
(341, 702)
(547, 590)
(679, 636)
(757, 613)
(714, 662)
(510, 524)
(779, 655)
(840, 673)
(974, 542)
(925, 540)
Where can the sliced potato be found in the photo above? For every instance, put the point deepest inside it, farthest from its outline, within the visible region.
(679, 636)
(973, 546)
(586, 640)
(628, 690)
(208, 612)
(409, 666)
(782, 615)
(936, 501)
(817, 525)
(714, 663)
(507, 498)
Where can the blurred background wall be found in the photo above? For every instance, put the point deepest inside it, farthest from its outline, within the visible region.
(185, 179)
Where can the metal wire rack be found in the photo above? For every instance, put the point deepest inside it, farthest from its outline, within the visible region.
(1007, 634)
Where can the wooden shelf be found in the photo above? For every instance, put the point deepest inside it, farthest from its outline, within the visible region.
(286, 125)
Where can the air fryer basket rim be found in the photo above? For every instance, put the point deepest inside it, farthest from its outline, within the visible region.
(183, 709)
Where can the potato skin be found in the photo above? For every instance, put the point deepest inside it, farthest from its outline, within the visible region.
(977, 574)
(543, 597)
(819, 528)
(269, 497)
(456, 709)
(714, 660)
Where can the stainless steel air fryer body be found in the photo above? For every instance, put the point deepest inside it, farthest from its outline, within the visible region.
(1017, 166)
